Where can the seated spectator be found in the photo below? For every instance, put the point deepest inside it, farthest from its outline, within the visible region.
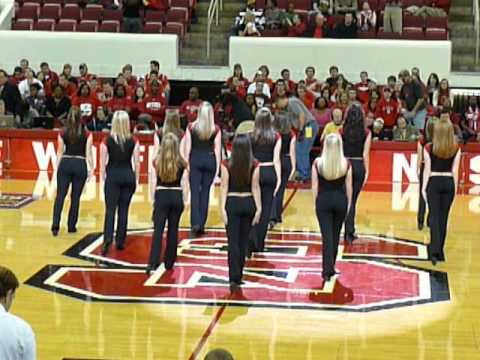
(333, 126)
(341, 102)
(321, 112)
(280, 90)
(10, 95)
(311, 81)
(252, 105)
(370, 109)
(67, 73)
(298, 27)
(106, 93)
(392, 16)
(155, 105)
(131, 80)
(189, 108)
(17, 76)
(320, 28)
(250, 15)
(85, 76)
(100, 122)
(36, 105)
(58, 104)
(471, 122)
(237, 81)
(454, 117)
(352, 95)
(249, 30)
(442, 93)
(387, 109)
(332, 80)
(426, 11)
(433, 83)
(155, 74)
(289, 84)
(121, 80)
(289, 15)
(68, 87)
(322, 7)
(260, 98)
(305, 96)
(345, 6)
(120, 100)
(363, 88)
(265, 76)
(367, 18)
(24, 64)
(137, 106)
(259, 77)
(378, 131)
(347, 29)
(404, 131)
(273, 15)
(24, 85)
(47, 77)
(342, 83)
(86, 103)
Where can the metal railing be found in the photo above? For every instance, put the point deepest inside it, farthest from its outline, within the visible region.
(213, 9)
(476, 14)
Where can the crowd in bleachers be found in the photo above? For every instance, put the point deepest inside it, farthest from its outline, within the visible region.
(345, 19)
(396, 110)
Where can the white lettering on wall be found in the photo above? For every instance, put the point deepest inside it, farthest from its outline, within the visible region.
(405, 200)
(43, 156)
(475, 170)
(401, 165)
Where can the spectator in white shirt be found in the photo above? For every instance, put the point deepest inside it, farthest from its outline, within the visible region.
(366, 19)
(17, 341)
(24, 85)
(259, 77)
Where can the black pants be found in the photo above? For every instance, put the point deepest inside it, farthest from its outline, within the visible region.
(168, 207)
(440, 194)
(277, 206)
(240, 213)
(203, 167)
(422, 206)
(331, 208)
(358, 177)
(268, 181)
(72, 171)
(120, 186)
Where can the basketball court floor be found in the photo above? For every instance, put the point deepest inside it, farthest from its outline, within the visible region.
(387, 303)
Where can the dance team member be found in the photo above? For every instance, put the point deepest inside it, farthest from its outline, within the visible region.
(240, 204)
(266, 146)
(356, 147)
(203, 151)
(74, 153)
(440, 181)
(283, 125)
(332, 195)
(171, 198)
(119, 163)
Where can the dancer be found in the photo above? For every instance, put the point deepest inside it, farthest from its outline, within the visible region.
(440, 181)
(74, 153)
(240, 204)
(203, 150)
(332, 194)
(356, 147)
(266, 146)
(119, 163)
(422, 141)
(288, 162)
(170, 200)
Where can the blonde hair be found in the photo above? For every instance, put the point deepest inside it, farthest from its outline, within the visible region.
(205, 123)
(332, 164)
(172, 124)
(120, 127)
(444, 143)
(168, 159)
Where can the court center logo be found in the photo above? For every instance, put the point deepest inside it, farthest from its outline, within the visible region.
(14, 201)
(286, 275)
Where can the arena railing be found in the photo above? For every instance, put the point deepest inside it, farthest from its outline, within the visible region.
(476, 14)
(213, 9)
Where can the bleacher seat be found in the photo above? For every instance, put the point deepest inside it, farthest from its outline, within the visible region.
(23, 24)
(303, 4)
(154, 16)
(178, 15)
(370, 34)
(175, 28)
(413, 34)
(59, 2)
(71, 12)
(87, 26)
(112, 15)
(274, 33)
(50, 11)
(180, 3)
(388, 35)
(66, 25)
(260, 4)
(93, 13)
(436, 34)
(413, 22)
(44, 25)
(152, 28)
(29, 11)
(109, 26)
(433, 22)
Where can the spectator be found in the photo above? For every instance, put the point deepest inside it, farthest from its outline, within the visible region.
(333, 126)
(367, 18)
(259, 77)
(310, 80)
(100, 122)
(323, 7)
(189, 108)
(250, 15)
(280, 90)
(36, 105)
(261, 99)
(231, 110)
(289, 84)
(127, 72)
(387, 109)
(413, 107)
(342, 100)
(471, 122)
(433, 83)
(321, 112)
(85, 76)
(249, 30)
(298, 27)
(137, 103)
(58, 105)
(427, 10)
(106, 94)
(352, 95)
(17, 76)
(86, 103)
(320, 27)
(67, 73)
(289, 15)
(237, 82)
(345, 6)
(392, 16)
(442, 93)
(218, 354)
(363, 88)
(155, 105)
(24, 85)
(404, 131)
(273, 15)
(454, 118)
(378, 131)
(120, 100)
(131, 14)
(161, 78)
(370, 109)
(332, 80)
(11, 98)
(25, 65)
(347, 29)
(305, 96)
(17, 340)
(252, 105)
(47, 77)
(68, 87)
(265, 75)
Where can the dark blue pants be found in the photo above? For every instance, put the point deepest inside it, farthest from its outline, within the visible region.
(168, 207)
(120, 186)
(277, 206)
(203, 167)
(358, 177)
(72, 171)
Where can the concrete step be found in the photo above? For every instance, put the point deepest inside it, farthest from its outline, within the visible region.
(462, 50)
(463, 43)
(229, 9)
(461, 29)
(196, 56)
(223, 28)
(461, 10)
(461, 18)
(463, 60)
(199, 40)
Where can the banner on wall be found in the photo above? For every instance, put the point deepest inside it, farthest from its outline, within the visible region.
(24, 153)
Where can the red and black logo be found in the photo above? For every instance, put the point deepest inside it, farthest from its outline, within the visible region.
(286, 275)
(14, 201)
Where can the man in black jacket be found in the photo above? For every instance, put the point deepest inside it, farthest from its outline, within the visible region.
(11, 97)
(346, 30)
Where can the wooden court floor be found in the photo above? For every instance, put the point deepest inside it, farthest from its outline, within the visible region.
(68, 327)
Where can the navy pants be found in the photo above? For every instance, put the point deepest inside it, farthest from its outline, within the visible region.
(358, 177)
(277, 206)
(120, 186)
(203, 167)
(72, 171)
(440, 194)
(240, 213)
(331, 208)
(422, 206)
(168, 207)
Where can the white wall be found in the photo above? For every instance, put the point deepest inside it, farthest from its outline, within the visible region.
(379, 57)
(7, 10)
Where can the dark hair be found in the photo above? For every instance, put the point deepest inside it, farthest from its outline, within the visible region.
(353, 126)
(8, 281)
(55, 86)
(435, 76)
(238, 66)
(73, 128)
(115, 89)
(284, 71)
(318, 99)
(282, 123)
(333, 67)
(135, 97)
(43, 64)
(241, 161)
(309, 68)
(81, 86)
(267, 70)
(392, 77)
(35, 86)
(154, 72)
(155, 63)
(263, 132)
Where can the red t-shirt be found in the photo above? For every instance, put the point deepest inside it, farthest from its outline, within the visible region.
(155, 105)
(189, 109)
(119, 103)
(318, 33)
(87, 106)
(161, 5)
(362, 92)
(388, 111)
(308, 100)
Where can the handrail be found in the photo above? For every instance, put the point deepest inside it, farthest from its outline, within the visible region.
(476, 14)
(213, 10)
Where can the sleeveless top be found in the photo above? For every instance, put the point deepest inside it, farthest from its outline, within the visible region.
(77, 148)
(437, 164)
(119, 157)
(325, 185)
(240, 189)
(353, 150)
(264, 152)
(203, 145)
(286, 140)
(176, 183)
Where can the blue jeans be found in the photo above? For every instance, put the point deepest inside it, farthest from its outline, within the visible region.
(418, 120)
(303, 151)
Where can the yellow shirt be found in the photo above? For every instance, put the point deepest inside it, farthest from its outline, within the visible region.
(331, 128)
